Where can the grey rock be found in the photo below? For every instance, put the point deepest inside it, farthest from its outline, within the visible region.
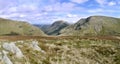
(5, 58)
(35, 46)
(13, 48)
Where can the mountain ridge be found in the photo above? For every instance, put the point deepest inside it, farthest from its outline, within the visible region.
(94, 25)
(13, 27)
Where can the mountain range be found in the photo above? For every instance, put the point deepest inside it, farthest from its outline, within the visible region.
(92, 40)
(91, 26)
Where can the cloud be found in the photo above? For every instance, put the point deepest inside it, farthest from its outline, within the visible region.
(101, 2)
(102, 10)
(79, 1)
(112, 3)
(60, 7)
(71, 15)
(14, 17)
(106, 2)
(95, 10)
(68, 19)
(47, 11)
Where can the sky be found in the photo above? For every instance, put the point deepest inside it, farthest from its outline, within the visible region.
(48, 11)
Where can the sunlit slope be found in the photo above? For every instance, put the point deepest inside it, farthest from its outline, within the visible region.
(11, 27)
(94, 25)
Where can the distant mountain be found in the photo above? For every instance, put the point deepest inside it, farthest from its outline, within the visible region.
(43, 27)
(94, 25)
(11, 27)
(55, 28)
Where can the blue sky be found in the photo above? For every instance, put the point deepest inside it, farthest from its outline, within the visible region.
(48, 11)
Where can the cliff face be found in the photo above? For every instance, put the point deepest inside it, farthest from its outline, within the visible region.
(94, 25)
(11, 27)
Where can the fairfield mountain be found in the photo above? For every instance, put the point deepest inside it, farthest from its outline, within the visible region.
(11, 27)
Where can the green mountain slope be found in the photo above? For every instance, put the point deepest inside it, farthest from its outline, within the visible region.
(10, 27)
(94, 25)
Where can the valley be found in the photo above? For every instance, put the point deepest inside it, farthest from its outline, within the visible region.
(88, 41)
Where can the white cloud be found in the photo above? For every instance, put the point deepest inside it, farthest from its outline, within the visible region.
(12, 15)
(48, 8)
(95, 10)
(112, 3)
(79, 1)
(22, 15)
(106, 2)
(60, 7)
(69, 20)
(71, 15)
(102, 11)
(101, 2)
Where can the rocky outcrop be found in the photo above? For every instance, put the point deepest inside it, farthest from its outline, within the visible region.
(13, 52)
(5, 58)
(13, 48)
(34, 45)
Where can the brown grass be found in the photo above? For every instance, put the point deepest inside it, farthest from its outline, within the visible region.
(60, 37)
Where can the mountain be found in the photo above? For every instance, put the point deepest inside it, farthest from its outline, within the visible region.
(55, 28)
(12, 27)
(43, 27)
(93, 26)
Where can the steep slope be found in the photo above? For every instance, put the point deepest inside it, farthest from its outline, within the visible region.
(94, 25)
(56, 27)
(10, 27)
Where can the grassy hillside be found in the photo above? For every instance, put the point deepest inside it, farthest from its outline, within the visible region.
(10, 27)
(62, 50)
(94, 25)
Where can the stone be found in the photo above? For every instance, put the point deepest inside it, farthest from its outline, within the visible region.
(35, 46)
(5, 58)
(13, 48)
